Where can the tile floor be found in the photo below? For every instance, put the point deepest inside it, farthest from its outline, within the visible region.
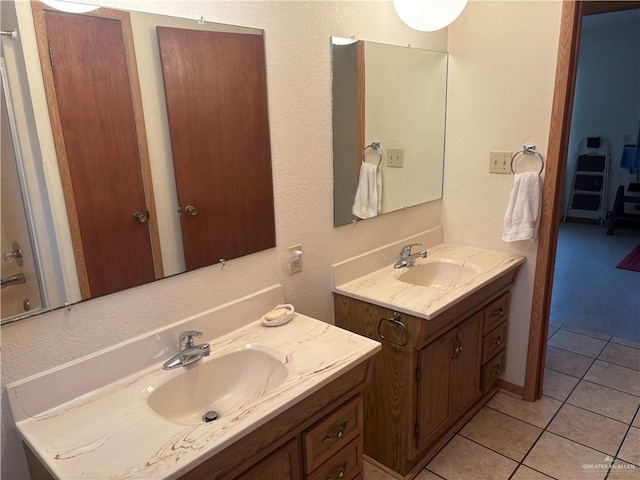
(585, 427)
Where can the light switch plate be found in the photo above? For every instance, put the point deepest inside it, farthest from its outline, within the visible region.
(395, 157)
(500, 162)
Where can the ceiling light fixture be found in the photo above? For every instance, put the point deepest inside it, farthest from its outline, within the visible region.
(428, 15)
(70, 7)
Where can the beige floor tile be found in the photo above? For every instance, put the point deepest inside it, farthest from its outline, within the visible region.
(462, 459)
(630, 451)
(562, 458)
(501, 433)
(636, 422)
(371, 472)
(423, 475)
(624, 341)
(605, 401)
(551, 331)
(570, 363)
(588, 428)
(575, 342)
(584, 331)
(621, 355)
(558, 385)
(624, 471)
(614, 376)
(526, 473)
(537, 413)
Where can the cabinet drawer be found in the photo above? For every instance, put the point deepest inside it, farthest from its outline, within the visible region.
(492, 370)
(494, 341)
(325, 438)
(345, 465)
(495, 313)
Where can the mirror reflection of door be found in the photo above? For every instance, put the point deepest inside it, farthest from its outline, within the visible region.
(216, 94)
(92, 87)
(20, 287)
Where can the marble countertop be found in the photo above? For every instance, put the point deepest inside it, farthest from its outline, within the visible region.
(112, 433)
(382, 286)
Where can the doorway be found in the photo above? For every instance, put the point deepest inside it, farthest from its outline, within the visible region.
(559, 138)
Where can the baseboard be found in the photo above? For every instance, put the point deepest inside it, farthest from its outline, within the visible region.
(511, 388)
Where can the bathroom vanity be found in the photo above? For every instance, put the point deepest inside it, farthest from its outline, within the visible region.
(443, 327)
(288, 398)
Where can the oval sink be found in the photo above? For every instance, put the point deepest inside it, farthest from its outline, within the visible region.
(438, 273)
(220, 384)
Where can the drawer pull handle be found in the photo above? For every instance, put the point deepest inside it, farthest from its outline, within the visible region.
(395, 320)
(497, 341)
(496, 370)
(341, 473)
(497, 312)
(338, 435)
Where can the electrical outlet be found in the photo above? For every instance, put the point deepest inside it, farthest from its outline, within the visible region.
(395, 157)
(500, 162)
(295, 259)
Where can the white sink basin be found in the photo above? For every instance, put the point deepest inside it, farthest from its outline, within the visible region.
(220, 384)
(439, 273)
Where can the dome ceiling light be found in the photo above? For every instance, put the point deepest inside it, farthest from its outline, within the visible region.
(428, 15)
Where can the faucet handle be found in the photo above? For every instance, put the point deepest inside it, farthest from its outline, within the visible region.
(406, 250)
(186, 338)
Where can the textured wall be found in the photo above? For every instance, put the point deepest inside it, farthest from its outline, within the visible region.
(299, 83)
(501, 70)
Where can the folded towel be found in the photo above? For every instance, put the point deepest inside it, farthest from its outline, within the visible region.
(523, 211)
(368, 198)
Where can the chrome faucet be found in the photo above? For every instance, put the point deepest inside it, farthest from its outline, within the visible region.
(407, 258)
(188, 353)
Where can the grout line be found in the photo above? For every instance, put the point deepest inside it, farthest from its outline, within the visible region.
(609, 387)
(618, 365)
(575, 353)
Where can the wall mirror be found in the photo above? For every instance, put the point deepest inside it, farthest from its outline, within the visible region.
(149, 138)
(393, 98)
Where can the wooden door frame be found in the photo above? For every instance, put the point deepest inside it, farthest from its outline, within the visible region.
(553, 188)
(123, 17)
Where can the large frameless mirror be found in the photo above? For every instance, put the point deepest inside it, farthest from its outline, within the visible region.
(389, 105)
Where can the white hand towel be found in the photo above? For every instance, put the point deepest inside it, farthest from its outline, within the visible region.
(368, 198)
(523, 211)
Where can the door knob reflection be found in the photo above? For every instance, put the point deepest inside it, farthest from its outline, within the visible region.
(140, 217)
(191, 210)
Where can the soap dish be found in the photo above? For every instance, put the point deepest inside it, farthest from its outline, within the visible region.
(280, 315)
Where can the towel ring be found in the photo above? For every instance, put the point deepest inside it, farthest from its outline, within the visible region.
(528, 150)
(375, 146)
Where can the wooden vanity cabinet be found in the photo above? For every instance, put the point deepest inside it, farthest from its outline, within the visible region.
(431, 374)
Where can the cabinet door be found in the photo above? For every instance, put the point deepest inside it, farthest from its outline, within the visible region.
(283, 464)
(465, 389)
(434, 401)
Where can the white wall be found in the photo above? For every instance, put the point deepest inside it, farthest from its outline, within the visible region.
(299, 86)
(501, 75)
(607, 98)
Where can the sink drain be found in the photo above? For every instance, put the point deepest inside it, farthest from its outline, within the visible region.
(210, 416)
